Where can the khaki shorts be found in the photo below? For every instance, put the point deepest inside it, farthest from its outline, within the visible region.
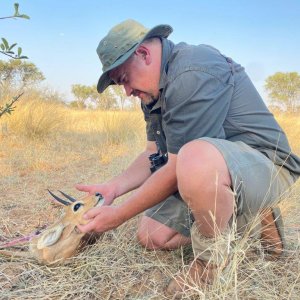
(256, 182)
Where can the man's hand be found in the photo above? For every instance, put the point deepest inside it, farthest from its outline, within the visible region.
(102, 219)
(105, 190)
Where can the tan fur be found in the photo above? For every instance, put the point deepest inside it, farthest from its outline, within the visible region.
(63, 239)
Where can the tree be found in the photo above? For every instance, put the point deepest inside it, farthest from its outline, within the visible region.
(125, 102)
(19, 74)
(8, 50)
(88, 94)
(81, 93)
(284, 88)
(104, 101)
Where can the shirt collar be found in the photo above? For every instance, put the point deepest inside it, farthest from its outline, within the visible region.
(167, 48)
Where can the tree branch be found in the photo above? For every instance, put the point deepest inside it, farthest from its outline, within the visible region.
(11, 17)
(9, 106)
(9, 55)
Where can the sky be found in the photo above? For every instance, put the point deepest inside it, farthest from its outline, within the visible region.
(62, 36)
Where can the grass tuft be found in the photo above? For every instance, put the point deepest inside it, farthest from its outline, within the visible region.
(36, 119)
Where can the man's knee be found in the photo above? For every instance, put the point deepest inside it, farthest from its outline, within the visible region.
(204, 183)
(201, 163)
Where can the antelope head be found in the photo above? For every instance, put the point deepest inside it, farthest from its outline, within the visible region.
(63, 239)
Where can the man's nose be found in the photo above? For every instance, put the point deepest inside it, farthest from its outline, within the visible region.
(128, 89)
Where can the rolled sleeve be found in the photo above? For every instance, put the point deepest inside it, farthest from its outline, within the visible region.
(196, 105)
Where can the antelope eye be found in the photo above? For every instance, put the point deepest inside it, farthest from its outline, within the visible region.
(77, 206)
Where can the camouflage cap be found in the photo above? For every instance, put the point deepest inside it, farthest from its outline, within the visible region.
(120, 42)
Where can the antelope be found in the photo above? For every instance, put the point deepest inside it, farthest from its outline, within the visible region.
(63, 239)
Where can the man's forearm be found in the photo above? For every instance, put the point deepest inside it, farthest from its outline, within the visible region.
(134, 176)
(155, 189)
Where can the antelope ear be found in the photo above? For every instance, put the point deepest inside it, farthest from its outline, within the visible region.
(50, 237)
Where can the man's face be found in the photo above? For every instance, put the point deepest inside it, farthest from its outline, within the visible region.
(136, 78)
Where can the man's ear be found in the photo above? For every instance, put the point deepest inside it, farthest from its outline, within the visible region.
(144, 53)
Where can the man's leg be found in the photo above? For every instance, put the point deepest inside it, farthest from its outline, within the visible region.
(166, 225)
(207, 172)
(204, 183)
(155, 235)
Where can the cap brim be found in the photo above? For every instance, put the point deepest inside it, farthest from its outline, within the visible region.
(158, 31)
(104, 80)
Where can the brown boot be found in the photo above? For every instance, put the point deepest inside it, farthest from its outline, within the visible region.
(272, 238)
(198, 273)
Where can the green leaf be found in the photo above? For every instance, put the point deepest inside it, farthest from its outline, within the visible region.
(19, 51)
(2, 47)
(23, 57)
(5, 43)
(24, 17)
(16, 9)
(11, 46)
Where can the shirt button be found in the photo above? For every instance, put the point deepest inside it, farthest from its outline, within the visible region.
(157, 132)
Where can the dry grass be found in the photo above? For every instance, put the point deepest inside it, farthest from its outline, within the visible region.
(291, 124)
(90, 147)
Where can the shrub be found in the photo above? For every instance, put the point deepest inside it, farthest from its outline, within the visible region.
(37, 119)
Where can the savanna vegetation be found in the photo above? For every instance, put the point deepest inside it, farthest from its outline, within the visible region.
(46, 143)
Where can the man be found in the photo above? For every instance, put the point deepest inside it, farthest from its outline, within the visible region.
(220, 154)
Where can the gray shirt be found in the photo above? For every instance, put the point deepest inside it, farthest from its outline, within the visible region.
(205, 94)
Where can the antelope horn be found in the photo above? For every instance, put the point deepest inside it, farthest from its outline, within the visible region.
(58, 199)
(68, 197)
